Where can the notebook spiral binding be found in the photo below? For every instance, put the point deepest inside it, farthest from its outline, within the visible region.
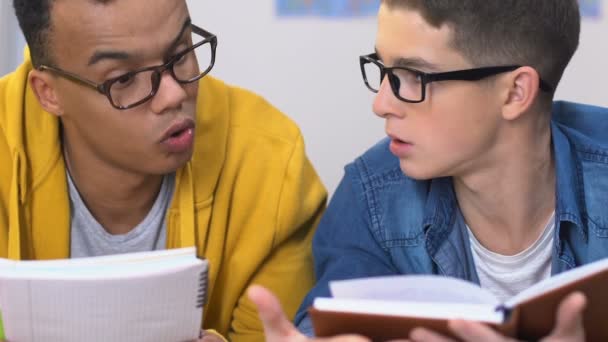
(201, 298)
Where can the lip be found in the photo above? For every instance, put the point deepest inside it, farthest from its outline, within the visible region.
(400, 148)
(179, 125)
(179, 138)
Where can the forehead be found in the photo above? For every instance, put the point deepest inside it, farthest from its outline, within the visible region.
(80, 27)
(404, 33)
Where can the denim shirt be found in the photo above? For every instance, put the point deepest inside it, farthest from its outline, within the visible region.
(381, 222)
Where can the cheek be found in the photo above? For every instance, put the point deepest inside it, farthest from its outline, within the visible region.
(192, 91)
(455, 130)
(106, 126)
(81, 101)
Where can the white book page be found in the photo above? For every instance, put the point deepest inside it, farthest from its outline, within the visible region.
(474, 312)
(558, 281)
(115, 266)
(413, 288)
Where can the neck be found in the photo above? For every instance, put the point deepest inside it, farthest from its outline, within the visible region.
(508, 203)
(118, 199)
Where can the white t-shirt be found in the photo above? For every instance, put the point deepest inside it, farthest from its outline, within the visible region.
(507, 275)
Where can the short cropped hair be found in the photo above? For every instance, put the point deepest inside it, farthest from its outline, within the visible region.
(34, 18)
(543, 34)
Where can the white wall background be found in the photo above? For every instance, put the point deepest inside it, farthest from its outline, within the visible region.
(11, 40)
(309, 69)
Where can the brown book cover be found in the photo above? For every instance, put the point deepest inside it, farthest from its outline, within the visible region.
(382, 327)
(537, 315)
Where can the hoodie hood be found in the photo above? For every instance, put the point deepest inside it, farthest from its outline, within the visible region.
(33, 147)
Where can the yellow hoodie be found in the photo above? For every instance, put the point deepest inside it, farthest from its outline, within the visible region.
(249, 199)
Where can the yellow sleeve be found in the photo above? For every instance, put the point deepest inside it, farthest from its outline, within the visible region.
(288, 270)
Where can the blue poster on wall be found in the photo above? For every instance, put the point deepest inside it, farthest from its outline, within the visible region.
(591, 8)
(327, 8)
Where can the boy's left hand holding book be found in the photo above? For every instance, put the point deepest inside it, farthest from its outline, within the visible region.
(278, 328)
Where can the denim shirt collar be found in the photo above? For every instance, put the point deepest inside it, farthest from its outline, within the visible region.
(439, 212)
(568, 190)
(445, 227)
(570, 206)
(446, 233)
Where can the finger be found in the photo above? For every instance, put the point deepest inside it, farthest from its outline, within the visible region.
(471, 331)
(276, 325)
(210, 338)
(570, 317)
(344, 338)
(421, 334)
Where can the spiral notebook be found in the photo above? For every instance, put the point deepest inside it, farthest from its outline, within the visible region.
(150, 296)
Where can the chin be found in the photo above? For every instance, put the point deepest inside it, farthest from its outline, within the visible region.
(176, 162)
(169, 164)
(418, 172)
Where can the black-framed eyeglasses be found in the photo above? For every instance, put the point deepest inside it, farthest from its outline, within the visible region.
(136, 87)
(409, 84)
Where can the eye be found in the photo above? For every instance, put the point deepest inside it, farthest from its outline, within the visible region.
(180, 59)
(409, 77)
(124, 81)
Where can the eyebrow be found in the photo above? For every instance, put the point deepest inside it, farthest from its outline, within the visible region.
(123, 55)
(413, 62)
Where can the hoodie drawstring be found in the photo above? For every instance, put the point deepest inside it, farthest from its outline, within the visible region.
(187, 218)
(17, 200)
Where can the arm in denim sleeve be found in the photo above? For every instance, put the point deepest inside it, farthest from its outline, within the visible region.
(344, 246)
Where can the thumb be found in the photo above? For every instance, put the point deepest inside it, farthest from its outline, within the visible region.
(570, 317)
(276, 325)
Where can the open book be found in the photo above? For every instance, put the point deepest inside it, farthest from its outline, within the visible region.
(384, 308)
(150, 296)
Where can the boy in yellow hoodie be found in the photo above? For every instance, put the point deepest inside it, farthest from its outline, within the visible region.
(114, 139)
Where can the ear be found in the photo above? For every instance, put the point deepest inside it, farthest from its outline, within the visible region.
(44, 86)
(523, 91)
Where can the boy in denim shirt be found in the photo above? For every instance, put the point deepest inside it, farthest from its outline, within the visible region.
(482, 177)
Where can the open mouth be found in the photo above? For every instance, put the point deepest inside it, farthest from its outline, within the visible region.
(179, 137)
(178, 129)
(178, 133)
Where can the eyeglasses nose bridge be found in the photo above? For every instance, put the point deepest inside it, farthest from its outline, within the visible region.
(158, 75)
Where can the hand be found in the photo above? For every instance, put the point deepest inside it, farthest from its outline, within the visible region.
(568, 328)
(210, 338)
(276, 325)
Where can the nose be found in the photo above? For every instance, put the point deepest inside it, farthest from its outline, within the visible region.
(170, 94)
(386, 103)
